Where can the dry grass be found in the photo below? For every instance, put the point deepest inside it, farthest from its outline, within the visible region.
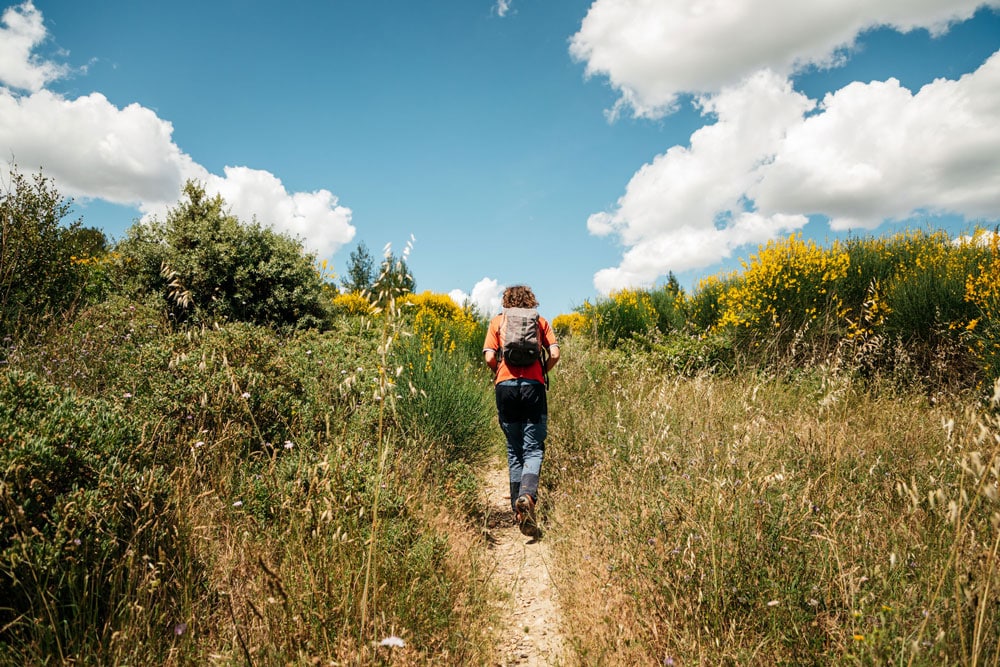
(751, 521)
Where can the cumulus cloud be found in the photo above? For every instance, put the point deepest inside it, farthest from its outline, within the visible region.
(95, 150)
(867, 153)
(687, 208)
(487, 296)
(315, 217)
(877, 151)
(21, 31)
(652, 51)
(503, 6)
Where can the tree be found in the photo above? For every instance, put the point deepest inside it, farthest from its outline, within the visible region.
(394, 279)
(360, 270)
(209, 266)
(39, 272)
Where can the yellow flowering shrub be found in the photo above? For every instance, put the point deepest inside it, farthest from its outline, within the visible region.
(786, 285)
(620, 316)
(352, 303)
(569, 324)
(439, 324)
(982, 290)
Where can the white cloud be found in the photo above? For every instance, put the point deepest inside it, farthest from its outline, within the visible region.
(487, 296)
(22, 31)
(870, 152)
(95, 150)
(651, 51)
(877, 151)
(503, 6)
(686, 209)
(314, 217)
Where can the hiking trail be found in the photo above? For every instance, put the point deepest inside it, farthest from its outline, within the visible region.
(531, 623)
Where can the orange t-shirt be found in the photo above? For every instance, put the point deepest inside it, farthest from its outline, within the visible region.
(505, 372)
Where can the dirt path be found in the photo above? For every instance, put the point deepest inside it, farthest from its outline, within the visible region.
(531, 632)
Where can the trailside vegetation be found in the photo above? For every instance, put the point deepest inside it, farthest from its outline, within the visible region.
(805, 472)
(210, 454)
(206, 460)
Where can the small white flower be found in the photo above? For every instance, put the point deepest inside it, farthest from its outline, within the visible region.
(288, 444)
(309, 351)
(200, 443)
(127, 395)
(773, 603)
(393, 641)
(238, 503)
(246, 394)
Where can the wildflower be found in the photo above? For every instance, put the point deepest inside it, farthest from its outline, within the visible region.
(180, 628)
(246, 394)
(393, 641)
(77, 541)
(238, 503)
(288, 444)
(200, 443)
(127, 395)
(859, 638)
(773, 603)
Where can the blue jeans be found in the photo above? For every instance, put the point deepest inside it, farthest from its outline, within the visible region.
(523, 416)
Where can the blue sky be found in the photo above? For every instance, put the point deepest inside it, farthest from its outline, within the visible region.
(579, 147)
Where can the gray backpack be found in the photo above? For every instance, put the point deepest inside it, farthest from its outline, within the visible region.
(520, 337)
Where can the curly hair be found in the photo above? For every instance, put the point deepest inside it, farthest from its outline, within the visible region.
(519, 296)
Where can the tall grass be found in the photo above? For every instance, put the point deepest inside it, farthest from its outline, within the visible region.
(270, 498)
(749, 520)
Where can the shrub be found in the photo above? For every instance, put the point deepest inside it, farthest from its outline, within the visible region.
(446, 399)
(621, 316)
(85, 526)
(40, 274)
(441, 326)
(351, 303)
(982, 292)
(571, 324)
(668, 302)
(785, 287)
(208, 266)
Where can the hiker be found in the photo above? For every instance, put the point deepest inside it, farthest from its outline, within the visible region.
(521, 348)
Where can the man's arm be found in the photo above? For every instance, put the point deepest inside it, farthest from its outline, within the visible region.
(553, 358)
(491, 359)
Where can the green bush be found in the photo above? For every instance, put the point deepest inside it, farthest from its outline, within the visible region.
(43, 263)
(85, 526)
(449, 402)
(668, 302)
(621, 316)
(208, 266)
(686, 354)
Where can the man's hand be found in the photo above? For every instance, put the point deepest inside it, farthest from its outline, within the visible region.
(491, 359)
(553, 358)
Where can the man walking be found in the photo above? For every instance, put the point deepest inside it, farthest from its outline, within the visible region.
(521, 348)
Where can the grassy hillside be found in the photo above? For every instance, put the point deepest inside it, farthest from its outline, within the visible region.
(757, 518)
(233, 495)
(210, 456)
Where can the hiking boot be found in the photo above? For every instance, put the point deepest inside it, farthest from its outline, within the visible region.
(526, 519)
